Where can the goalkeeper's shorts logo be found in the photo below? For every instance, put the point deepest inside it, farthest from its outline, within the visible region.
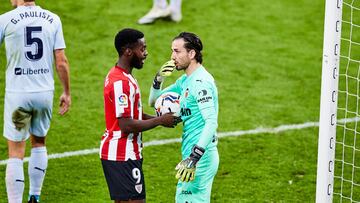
(138, 188)
(186, 192)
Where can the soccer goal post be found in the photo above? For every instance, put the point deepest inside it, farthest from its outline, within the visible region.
(338, 167)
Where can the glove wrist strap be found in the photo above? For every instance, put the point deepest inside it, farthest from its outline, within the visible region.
(156, 83)
(197, 152)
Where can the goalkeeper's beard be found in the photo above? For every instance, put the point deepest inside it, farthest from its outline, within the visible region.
(178, 67)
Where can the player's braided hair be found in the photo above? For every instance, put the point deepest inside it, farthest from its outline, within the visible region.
(192, 42)
(127, 38)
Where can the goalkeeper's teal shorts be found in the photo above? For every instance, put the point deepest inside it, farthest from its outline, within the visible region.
(199, 190)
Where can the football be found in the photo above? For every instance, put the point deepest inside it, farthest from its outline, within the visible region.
(168, 102)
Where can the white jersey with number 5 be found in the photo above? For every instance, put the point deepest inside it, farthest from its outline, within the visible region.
(31, 34)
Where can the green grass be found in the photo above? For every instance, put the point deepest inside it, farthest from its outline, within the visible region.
(266, 59)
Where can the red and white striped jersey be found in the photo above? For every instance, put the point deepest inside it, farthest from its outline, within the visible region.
(121, 99)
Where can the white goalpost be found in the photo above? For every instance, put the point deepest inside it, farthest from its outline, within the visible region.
(338, 167)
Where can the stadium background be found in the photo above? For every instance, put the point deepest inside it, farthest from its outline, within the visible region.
(266, 59)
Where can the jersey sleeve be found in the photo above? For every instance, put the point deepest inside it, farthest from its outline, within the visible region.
(172, 88)
(204, 94)
(122, 95)
(2, 29)
(59, 41)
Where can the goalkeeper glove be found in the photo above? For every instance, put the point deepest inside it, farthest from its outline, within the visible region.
(167, 68)
(157, 81)
(165, 71)
(186, 168)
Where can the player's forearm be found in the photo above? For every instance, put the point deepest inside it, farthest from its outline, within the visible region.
(154, 94)
(63, 70)
(135, 126)
(64, 76)
(209, 130)
(208, 133)
(147, 116)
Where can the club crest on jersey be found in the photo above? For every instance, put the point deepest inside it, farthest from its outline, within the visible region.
(123, 100)
(138, 188)
(186, 93)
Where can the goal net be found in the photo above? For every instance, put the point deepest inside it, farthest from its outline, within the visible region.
(338, 176)
(347, 149)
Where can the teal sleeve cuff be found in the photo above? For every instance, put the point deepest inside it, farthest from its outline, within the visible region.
(154, 94)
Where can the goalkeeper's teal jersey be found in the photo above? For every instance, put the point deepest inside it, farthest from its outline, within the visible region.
(199, 109)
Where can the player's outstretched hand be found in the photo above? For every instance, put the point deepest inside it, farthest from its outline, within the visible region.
(169, 120)
(65, 102)
(187, 167)
(167, 68)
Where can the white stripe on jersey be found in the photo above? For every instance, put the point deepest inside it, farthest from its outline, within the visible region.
(129, 154)
(118, 88)
(132, 92)
(132, 79)
(140, 107)
(101, 146)
(103, 141)
(139, 142)
(113, 145)
(132, 98)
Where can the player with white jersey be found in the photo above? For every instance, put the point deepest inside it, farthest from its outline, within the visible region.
(32, 37)
(121, 144)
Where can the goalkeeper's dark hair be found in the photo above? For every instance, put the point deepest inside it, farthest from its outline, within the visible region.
(192, 42)
(127, 38)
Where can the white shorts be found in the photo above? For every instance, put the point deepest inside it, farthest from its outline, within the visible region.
(26, 113)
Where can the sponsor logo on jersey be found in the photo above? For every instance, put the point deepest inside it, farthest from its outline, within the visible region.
(204, 99)
(123, 100)
(185, 112)
(28, 71)
(138, 188)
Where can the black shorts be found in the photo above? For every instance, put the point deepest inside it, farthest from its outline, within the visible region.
(125, 179)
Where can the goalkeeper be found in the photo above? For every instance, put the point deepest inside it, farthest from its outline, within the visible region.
(199, 113)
